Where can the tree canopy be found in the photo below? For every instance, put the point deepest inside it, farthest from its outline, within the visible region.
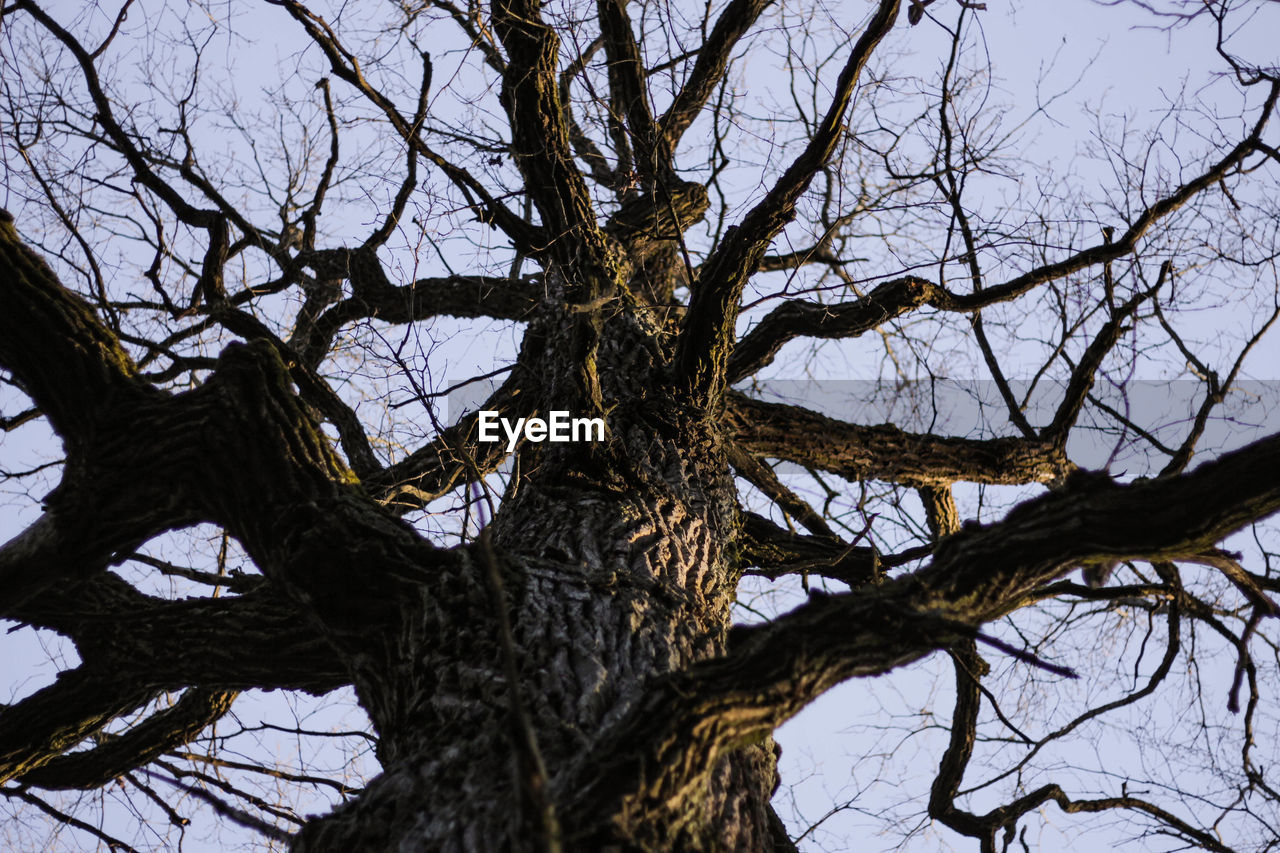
(921, 368)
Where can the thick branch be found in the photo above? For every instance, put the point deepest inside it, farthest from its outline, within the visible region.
(153, 737)
(676, 732)
(80, 703)
(289, 492)
(664, 214)
(453, 457)
(256, 640)
(241, 451)
(763, 478)
(1085, 373)
(940, 511)
(771, 551)
(133, 481)
(452, 296)
(540, 139)
(81, 534)
(50, 339)
(708, 69)
(707, 337)
(311, 387)
(795, 318)
(628, 98)
(885, 452)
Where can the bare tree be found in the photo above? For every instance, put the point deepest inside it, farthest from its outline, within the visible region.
(240, 277)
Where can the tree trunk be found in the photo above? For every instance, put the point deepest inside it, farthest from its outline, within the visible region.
(611, 562)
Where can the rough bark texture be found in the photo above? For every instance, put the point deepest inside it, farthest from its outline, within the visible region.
(615, 569)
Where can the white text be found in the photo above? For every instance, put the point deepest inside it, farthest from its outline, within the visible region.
(557, 427)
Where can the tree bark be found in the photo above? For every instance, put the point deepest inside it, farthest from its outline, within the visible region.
(612, 565)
